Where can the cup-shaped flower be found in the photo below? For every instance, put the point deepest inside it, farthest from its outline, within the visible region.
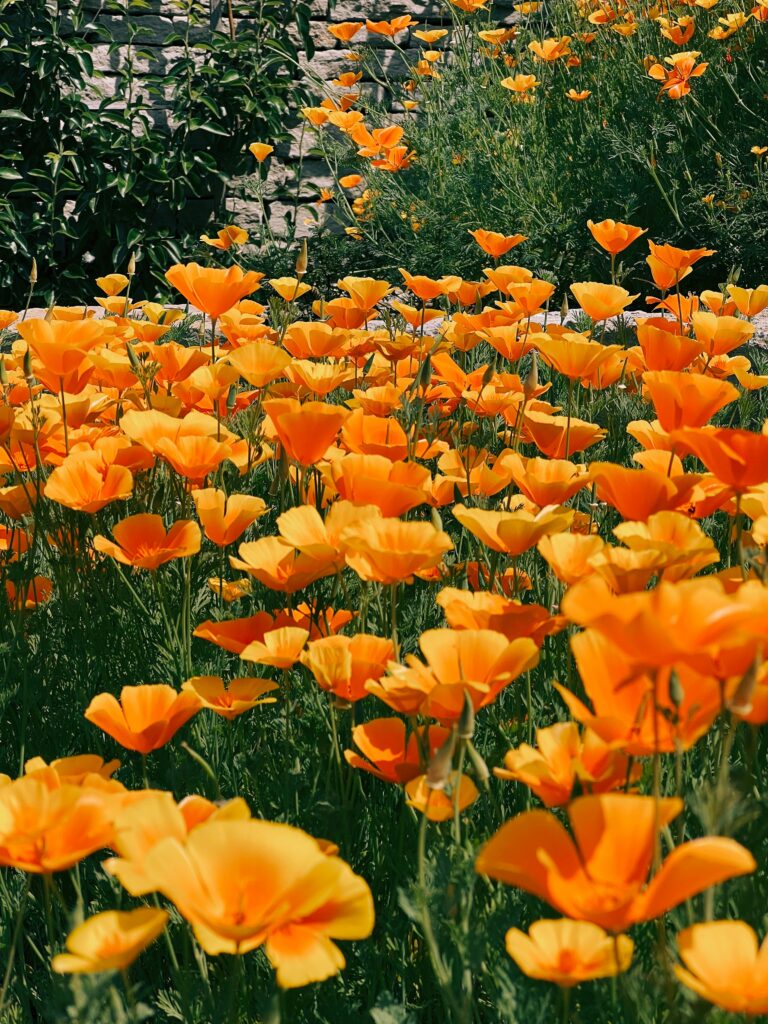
(142, 541)
(686, 399)
(146, 717)
(440, 804)
(613, 235)
(601, 301)
(724, 965)
(568, 952)
(232, 700)
(226, 517)
(389, 551)
(561, 760)
(210, 289)
(86, 481)
(46, 828)
(512, 533)
(387, 753)
(600, 872)
(244, 884)
(305, 431)
(738, 458)
(110, 941)
(342, 665)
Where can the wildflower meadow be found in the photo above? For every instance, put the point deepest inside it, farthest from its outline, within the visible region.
(385, 643)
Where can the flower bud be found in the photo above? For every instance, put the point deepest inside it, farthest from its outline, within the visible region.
(302, 260)
(33, 272)
(439, 768)
(131, 265)
(531, 382)
(466, 726)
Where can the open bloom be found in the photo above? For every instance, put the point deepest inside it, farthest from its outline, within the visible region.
(387, 753)
(601, 301)
(146, 717)
(563, 760)
(568, 952)
(342, 665)
(493, 242)
(230, 701)
(110, 941)
(212, 290)
(226, 517)
(723, 964)
(477, 662)
(86, 481)
(244, 884)
(389, 551)
(305, 431)
(613, 236)
(676, 79)
(142, 541)
(600, 873)
(47, 825)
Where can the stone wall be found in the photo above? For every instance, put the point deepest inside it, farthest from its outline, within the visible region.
(161, 18)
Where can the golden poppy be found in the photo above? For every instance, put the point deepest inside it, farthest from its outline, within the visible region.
(613, 235)
(146, 717)
(110, 941)
(386, 752)
(389, 551)
(142, 541)
(211, 290)
(86, 481)
(723, 964)
(238, 696)
(342, 665)
(568, 952)
(226, 517)
(599, 873)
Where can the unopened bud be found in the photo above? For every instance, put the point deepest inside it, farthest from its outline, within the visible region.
(133, 359)
(466, 726)
(741, 701)
(27, 364)
(49, 313)
(425, 373)
(436, 518)
(490, 370)
(131, 266)
(3, 373)
(564, 310)
(676, 691)
(531, 382)
(231, 398)
(302, 260)
(440, 764)
(33, 272)
(481, 768)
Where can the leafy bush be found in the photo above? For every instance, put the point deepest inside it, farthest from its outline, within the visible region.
(143, 169)
(542, 163)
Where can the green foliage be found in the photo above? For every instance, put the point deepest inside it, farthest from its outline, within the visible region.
(544, 164)
(91, 173)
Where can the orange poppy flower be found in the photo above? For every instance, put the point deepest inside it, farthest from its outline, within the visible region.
(545, 481)
(427, 288)
(365, 292)
(563, 761)
(569, 555)
(393, 487)
(440, 804)
(305, 431)
(512, 533)
(389, 551)
(601, 301)
(392, 27)
(277, 564)
(719, 335)
(557, 436)
(483, 610)
(749, 301)
(477, 662)
(61, 346)
(387, 754)
(47, 827)
(142, 541)
(345, 31)
(342, 665)
(723, 964)
(211, 290)
(494, 243)
(568, 952)
(193, 457)
(146, 717)
(550, 50)
(677, 260)
(613, 235)
(738, 458)
(86, 481)
(259, 362)
(599, 874)
(686, 399)
(229, 701)
(110, 941)
(663, 347)
(280, 648)
(216, 879)
(226, 517)
(639, 493)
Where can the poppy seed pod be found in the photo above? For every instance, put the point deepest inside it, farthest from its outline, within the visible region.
(302, 260)
(439, 769)
(466, 725)
(33, 272)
